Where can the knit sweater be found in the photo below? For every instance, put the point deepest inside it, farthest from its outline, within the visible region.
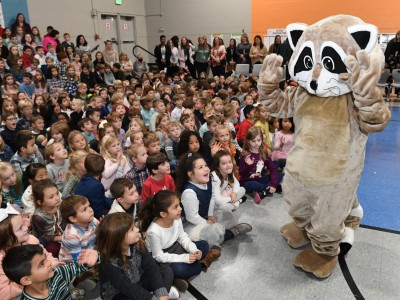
(116, 278)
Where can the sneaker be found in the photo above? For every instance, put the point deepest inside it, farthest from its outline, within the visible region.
(211, 256)
(181, 284)
(266, 193)
(241, 228)
(173, 293)
(257, 198)
(243, 199)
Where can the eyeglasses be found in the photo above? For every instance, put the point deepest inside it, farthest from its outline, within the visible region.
(12, 119)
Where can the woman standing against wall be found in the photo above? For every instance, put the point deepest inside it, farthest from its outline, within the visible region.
(218, 57)
(243, 50)
(174, 60)
(186, 52)
(202, 51)
(82, 45)
(231, 56)
(276, 47)
(258, 51)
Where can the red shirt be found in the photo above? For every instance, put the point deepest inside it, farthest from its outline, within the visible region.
(27, 60)
(152, 186)
(243, 128)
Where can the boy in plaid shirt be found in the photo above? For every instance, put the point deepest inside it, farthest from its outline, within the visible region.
(138, 174)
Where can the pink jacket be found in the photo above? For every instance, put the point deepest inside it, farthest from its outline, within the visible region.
(11, 290)
(48, 40)
(110, 173)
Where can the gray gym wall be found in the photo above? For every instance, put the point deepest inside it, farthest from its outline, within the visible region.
(190, 18)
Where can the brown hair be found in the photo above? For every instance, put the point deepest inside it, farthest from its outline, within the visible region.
(8, 238)
(111, 233)
(215, 167)
(150, 137)
(251, 134)
(62, 128)
(154, 161)
(117, 188)
(94, 164)
(70, 205)
(38, 188)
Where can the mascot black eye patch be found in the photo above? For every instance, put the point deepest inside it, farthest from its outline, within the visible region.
(305, 62)
(332, 61)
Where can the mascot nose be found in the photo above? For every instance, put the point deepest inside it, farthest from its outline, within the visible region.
(314, 85)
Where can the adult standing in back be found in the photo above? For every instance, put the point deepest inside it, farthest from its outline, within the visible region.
(243, 50)
(258, 51)
(202, 55)
(163, 54)
(109, 54)
(218, 57)
(20, 21)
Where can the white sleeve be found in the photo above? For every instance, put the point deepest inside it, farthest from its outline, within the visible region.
(236, 185)
(184, 239)
(29, 206)
(191, 206)
(154, 241)
(216, 190)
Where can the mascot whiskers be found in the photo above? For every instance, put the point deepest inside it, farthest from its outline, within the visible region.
(336, 63)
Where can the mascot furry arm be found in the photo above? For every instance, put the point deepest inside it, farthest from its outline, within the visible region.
(337, 64)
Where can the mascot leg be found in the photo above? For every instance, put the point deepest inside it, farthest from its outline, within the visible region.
(295, 236)
(326, 227)
(299, 210)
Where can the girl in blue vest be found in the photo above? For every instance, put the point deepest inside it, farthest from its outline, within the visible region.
(193, 180)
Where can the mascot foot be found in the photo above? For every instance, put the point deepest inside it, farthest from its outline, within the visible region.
(295, 236)
(319, 265)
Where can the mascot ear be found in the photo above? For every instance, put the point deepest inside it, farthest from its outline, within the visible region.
(294, 32)
(366, 36)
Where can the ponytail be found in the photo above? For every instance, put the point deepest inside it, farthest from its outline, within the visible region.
(155, 205)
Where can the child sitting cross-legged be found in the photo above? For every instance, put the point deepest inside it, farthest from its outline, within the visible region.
(160, 179)
(80, 232)
(27, 265)
(169, 243)
(126, 197)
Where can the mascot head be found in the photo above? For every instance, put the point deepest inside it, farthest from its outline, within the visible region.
(320, 50)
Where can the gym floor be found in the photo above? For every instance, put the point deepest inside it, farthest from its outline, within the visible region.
(258, 265)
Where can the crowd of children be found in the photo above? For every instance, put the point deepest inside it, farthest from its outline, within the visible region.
(147, 171)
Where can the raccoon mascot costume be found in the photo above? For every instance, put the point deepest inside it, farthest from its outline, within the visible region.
(337, 63)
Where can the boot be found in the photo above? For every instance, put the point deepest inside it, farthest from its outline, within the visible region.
(319, 265)
(211, 256)
(241, 228)
(295, 236)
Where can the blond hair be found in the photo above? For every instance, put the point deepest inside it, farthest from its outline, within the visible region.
(106, 141)
(71, 137)
(74, 158)
(24, 104)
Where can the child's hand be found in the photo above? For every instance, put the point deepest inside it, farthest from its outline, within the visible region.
(192, 258)
(197, 254)
(255, 175)
(282, 142)
(272, 189)
(88, 257)
(249, 160)
(26, 219)
(57, 238)
(233, 197)
(211, 220)
(215, 148)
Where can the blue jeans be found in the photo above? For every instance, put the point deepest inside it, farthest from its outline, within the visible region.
(184, 270)
(257, 186)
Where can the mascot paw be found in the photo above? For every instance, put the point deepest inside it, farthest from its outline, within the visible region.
(295, 236)
(271, 70)
(319, 265)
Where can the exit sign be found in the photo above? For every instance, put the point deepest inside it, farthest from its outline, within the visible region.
(118, 2)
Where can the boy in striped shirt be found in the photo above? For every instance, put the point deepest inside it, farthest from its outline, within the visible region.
(80, 232)
(27, 265)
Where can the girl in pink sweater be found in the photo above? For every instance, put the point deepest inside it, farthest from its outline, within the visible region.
(116, 163)
(283, 142)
